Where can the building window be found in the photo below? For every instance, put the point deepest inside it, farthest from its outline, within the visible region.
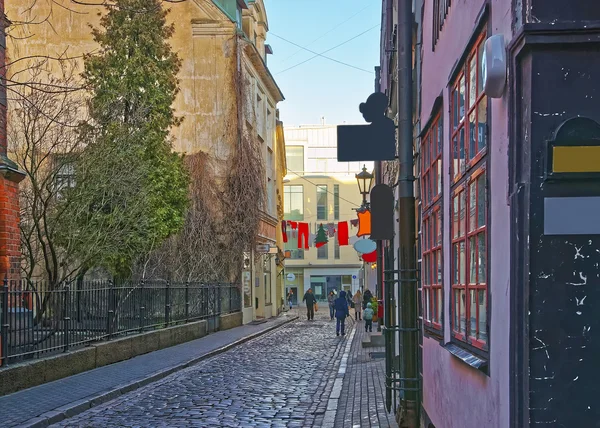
(336, 248)
(469, 307)
(336, 201)
(267, 277)
(322, 252)
(469, 115)
(295, 252)
(322, 202)
(440, 11)
(293, 202)
(294, 158)
(432, 261)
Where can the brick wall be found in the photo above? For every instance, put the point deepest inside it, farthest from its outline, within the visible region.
(9, 186)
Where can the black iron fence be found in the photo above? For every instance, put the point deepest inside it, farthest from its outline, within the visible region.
(38, 320)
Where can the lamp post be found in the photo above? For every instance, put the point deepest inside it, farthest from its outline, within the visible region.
(364, 179)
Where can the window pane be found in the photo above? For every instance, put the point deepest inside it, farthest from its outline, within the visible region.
(439, 228)
(473, 313)
(481, 201)
(336, 201)
(456, 319)
(456, 263)
(427, 309)
(439, 304)
(482, 258)
(472, 205)
(472, 81)
(482, 124)
(472, 136)
(455, 219)
(455, 108)
(483, 315)
(295, 158)
(322, 252)
(461, 148)
(322, 202)
(439, 266)
(440, 132)
(479, 61)
(463, 311)
(439, 176)
(455, 157)
(461, 99)
(472, 260)
(462, 205)
(462, 263)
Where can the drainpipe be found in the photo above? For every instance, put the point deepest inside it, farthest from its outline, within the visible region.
(407, 258)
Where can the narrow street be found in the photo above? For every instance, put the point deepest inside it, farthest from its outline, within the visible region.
(282, 379)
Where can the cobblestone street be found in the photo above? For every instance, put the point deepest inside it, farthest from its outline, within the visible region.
(284, 378)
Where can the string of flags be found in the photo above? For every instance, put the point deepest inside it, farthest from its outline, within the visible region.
(324, 231)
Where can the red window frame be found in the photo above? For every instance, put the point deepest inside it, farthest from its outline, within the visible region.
(466, 94)
(432, 262)
(469, 209)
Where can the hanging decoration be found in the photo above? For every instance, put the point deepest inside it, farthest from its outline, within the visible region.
(370, 257)
(354, 222)
(365, 246)
(284, 231)
(303, 235)
(331, 229)
(364, 223)
(342, 231)
(321, 238)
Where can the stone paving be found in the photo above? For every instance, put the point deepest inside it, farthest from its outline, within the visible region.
(362, 399)
(35, 405)
(282, 379)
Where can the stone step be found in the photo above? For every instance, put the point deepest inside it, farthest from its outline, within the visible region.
(375, 340)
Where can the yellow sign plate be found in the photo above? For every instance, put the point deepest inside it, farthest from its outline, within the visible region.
(575, 159)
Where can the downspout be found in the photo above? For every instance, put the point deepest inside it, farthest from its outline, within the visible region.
(409, 386)
(378, 180)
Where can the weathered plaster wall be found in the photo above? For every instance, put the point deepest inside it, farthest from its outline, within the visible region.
(454, 394)
(204, 39)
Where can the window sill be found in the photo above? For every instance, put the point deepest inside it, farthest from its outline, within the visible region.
(468, 358)
(433, 333)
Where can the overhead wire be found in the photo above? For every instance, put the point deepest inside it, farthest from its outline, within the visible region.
(314, 184)
(328, 32)
(317, 54)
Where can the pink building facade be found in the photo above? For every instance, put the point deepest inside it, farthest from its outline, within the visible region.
(507, 245)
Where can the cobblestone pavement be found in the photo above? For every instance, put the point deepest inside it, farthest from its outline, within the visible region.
(282, 379)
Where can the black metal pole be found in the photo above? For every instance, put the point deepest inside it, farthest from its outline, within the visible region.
(4, 324)
(379, 180)
(407, 253)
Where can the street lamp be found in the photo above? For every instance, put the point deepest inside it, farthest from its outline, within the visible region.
(364, 179)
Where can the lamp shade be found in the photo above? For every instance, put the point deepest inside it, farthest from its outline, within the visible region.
(364, 180)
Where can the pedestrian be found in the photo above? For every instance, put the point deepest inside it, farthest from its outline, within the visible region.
(290, 298)
(368, 315)
(311, 301)
(357, 300)
(367, 298)
(331, 301)
(341, 312)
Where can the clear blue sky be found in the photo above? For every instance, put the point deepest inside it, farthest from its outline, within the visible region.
(321, 87)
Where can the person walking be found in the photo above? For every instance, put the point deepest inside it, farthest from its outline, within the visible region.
(331, 302)
(367, 298)
(290, 298)
(310, 300)
(369, 318)
(341, 312)
(357, 300)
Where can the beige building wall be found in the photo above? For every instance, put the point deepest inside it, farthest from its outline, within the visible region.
(320, 190)
(217, 52)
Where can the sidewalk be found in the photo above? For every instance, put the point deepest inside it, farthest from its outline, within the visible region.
(362, 398)
(52, 402)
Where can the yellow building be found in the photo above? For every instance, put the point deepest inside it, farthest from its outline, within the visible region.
(320, 190)
(222, 47)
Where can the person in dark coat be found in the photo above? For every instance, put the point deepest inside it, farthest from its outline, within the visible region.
(367, 298)
(310, 300)
(341, 312)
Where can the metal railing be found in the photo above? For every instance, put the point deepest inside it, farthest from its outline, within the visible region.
(37, 320)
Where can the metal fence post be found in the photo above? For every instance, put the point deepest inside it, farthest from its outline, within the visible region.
(187, 301)
(110, 313)
(142, 307)
(219, 299)
(5, 325)
(167, 303)
(66, 318)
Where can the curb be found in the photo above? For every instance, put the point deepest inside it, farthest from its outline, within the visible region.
(72, 409)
